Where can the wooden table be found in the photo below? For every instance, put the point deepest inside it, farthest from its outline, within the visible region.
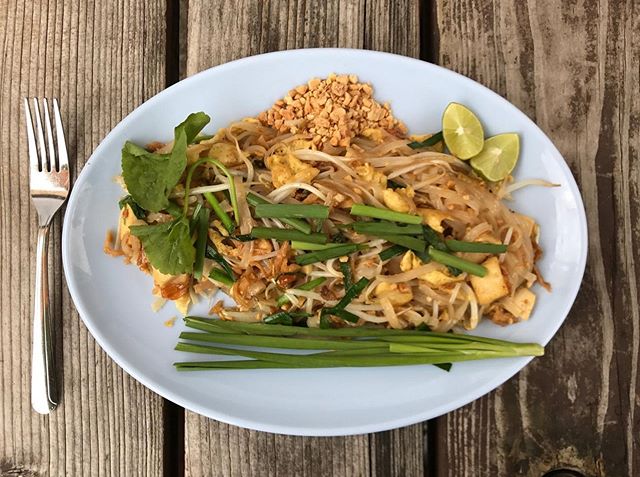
(572, 66)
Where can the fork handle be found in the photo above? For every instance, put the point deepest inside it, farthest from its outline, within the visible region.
(43, 389)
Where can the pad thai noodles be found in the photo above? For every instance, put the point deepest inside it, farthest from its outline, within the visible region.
(324, 212)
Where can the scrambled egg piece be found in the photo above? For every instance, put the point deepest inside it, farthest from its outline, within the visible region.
(224, 249)
(492, 286)
(286, 168)
(225, 153)
(520, 304)
(409, 261)
(375, 134)
(433, 218)
(368, 173)
(399, 200)
(127, 219)
(173, 287)
(435, 278)
(194, 151)
(396, 293)
(130, 245)
(301, 144)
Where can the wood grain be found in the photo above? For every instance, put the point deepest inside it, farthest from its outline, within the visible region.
(574, 68)
(252, 27)
(101, 60)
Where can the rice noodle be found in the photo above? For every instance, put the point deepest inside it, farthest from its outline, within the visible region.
(280, 193)
(203, 189)
(510, 189)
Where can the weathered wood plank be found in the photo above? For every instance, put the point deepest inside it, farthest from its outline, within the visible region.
(574, 68)
(252, 27)
(101, 60)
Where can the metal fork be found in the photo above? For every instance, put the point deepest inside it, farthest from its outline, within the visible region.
(49, 184)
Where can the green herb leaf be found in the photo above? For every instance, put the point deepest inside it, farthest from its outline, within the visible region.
(138, 211)
(150, 177)
(167, 246)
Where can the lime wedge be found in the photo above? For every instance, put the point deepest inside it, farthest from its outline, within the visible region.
(462, 131)
(498, 156)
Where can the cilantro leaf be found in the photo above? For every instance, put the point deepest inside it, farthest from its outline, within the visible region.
(167, 245)
(150, 177)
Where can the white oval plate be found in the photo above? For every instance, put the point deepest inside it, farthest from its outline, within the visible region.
(114, 299)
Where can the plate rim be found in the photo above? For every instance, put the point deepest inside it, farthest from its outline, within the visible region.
(392, 423)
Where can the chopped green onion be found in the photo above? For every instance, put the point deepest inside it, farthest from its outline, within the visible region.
(424, 256)
(430, 141)
(339, 308)
(219, 211)
(391, 184)
(457, 262)
(391, 252)
(221, 276)
(433, 238)
(324, 255)
(475, 247)
(287, 234)
(384, 214)
(352, 292)
(343, 314)
(406, 241)
(255, 200)
(193, 223)
(310, 285)
(454, 271)
(325, 322)
(291, 211)
(345, 268)
(296, 245)
(202, 222)
(213, 254)
(233, 196)
(374, 228)
(278, 318)
(243, 238)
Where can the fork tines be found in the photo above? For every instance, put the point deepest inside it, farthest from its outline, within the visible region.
(40, 158)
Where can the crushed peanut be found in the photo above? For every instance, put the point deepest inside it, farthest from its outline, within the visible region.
(331, 111)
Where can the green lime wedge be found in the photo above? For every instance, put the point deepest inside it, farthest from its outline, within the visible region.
(498, 157)
(462, 131)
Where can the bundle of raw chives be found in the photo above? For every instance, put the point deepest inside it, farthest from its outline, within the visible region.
(335, 347)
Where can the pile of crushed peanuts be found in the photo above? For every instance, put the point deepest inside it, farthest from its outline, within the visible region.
(332, 111)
